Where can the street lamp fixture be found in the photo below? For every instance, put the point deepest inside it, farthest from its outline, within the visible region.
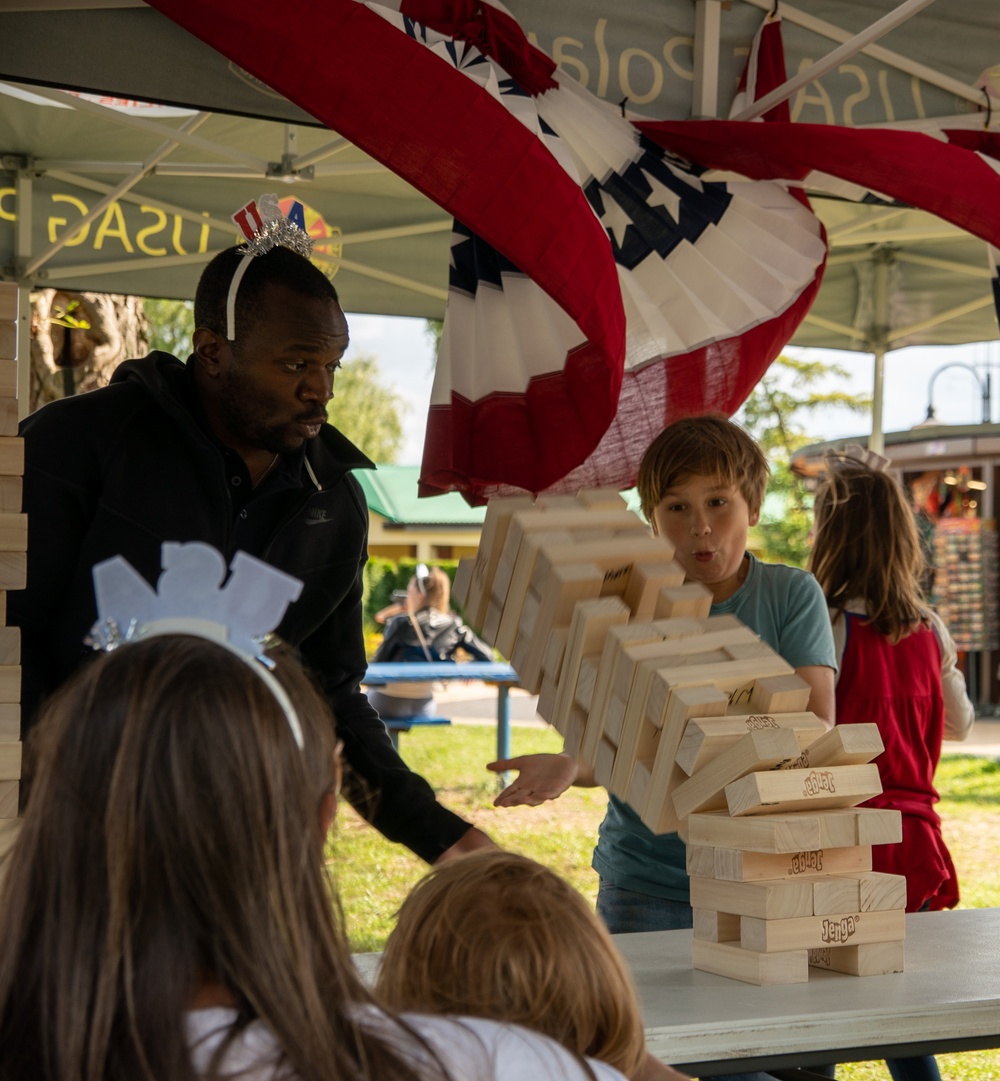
(983, 381)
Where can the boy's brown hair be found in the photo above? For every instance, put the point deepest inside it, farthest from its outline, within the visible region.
(709, 446)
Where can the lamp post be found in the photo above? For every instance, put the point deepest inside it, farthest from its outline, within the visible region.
(983, 380)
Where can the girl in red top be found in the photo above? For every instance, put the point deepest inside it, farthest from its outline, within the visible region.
(897, 670)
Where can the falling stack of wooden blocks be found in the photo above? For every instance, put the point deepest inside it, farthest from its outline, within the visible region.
(13, 554)
(700, 727)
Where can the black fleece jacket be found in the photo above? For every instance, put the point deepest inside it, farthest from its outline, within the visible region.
(120, 470)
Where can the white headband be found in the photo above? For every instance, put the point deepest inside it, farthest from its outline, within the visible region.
(264, 226)
(188, 600)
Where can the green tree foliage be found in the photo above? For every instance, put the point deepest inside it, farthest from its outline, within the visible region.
(171, 324)
(366, 410)
(791, 392)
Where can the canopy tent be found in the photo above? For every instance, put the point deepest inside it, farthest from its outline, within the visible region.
(673, 59)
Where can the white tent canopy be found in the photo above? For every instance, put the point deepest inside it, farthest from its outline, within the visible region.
(150, 190)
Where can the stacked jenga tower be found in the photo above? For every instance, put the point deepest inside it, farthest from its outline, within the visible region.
(701, 727)
(13, 554)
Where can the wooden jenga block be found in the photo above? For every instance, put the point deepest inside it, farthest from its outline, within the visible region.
(815, 932)
(8, 799)
(615, 553)
(8, 417)
(567, 586)
(780, 694)
(759, 750)
(555, 648)
(780, 832)
(879, 891)
(712, 926)
(11, 456)
(618, 639)
(601, 498)
(735, 865)
(699, 860)
(589, 626)
(604, 762)
(762, 969)
(704, 738)
(614, 719)
(8, 301)
(491, 540)
(767, 900)
(546, 698)
(10, 683)
(641, 776)
(644, 586)
(491, 621)
(3, 606)
(802, 789)
(510, 584)
(556, 502)
(692, 600)
(10, 493)
(10, 761)
(585, 681)
(576, 722)
(878, 826)
(463, 579)
(13, 532)
(870, 959)
(8, 355)
(13, 570)
(657, 811)
(835, 893)
(10, 645)
(844, 745)
(10, 721)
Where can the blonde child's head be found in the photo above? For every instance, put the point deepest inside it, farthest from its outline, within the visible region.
(709, 446)
(866, 546)
(496, 935)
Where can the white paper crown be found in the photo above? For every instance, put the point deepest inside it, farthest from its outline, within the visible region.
(191, 599)
(265, 226)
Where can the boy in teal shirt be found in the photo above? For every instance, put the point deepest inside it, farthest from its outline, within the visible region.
(701, 484)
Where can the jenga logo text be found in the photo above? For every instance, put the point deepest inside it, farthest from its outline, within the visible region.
(616, 573)
(820, 780)
(757, 721)
(802, 762)
(841, 930)
(821, 958)
(740, 695)
(806, 861)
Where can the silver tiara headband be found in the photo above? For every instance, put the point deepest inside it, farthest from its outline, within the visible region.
(855, 454)
(264, 226)
(191, 599)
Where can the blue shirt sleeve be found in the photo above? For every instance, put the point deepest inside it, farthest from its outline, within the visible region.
(806, 636)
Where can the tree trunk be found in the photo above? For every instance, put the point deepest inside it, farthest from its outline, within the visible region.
(78, 339)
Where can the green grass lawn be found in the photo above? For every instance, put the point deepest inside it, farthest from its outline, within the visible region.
(374, 876)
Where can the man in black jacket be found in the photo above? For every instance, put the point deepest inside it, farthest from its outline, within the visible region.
(232, 449)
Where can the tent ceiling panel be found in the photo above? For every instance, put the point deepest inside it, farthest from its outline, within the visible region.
(394, 255)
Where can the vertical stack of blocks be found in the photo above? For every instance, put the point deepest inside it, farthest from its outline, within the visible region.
(13, 554)
(702, 728)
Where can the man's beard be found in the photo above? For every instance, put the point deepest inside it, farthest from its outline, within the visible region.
(244, 416)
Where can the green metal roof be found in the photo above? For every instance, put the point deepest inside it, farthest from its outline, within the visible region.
(391, 491)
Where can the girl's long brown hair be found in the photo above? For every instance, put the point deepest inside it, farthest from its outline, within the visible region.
(173, 840)
(866, 546)
(498, 936)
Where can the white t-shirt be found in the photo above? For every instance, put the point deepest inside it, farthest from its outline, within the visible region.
(471, 1049)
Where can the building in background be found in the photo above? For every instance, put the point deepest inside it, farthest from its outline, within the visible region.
(402, 526)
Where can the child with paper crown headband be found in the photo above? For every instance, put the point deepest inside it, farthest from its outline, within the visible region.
(166, 910)
(498, 935)
(897, 670)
